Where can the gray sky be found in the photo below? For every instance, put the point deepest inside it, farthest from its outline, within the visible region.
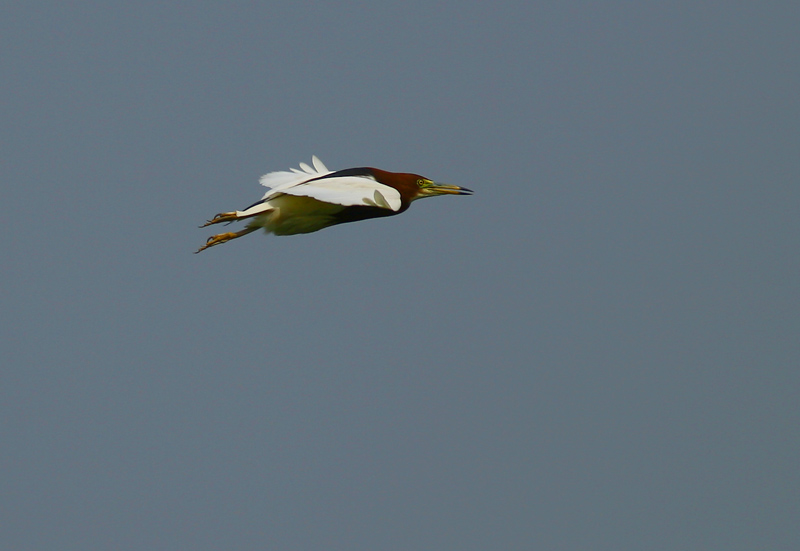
(598, 350)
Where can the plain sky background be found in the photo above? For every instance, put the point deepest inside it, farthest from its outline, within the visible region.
(598, 350)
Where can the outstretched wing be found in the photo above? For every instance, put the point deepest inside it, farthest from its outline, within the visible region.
(351, 187)
(348, 191)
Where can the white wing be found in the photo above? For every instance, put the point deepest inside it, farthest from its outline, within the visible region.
(348, 191)
(340, 190)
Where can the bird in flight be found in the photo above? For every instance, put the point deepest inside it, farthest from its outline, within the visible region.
(313, 198)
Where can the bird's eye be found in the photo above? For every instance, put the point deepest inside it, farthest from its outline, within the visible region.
(420, 182)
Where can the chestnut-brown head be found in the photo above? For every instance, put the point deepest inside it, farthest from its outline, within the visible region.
(414, 186)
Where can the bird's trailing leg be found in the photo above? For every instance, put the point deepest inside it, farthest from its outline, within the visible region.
(222, 217)
(224, 237)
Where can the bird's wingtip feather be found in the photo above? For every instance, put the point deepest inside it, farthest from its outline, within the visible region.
(283, 178)
(318, 164)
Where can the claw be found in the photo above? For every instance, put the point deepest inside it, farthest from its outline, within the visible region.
(221, 217)
(217, 239)
(225, 237)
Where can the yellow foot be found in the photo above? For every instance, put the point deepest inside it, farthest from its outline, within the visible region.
(218, 239)
(222, 217)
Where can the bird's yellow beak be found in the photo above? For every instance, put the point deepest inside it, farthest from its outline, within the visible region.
(444, 189)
